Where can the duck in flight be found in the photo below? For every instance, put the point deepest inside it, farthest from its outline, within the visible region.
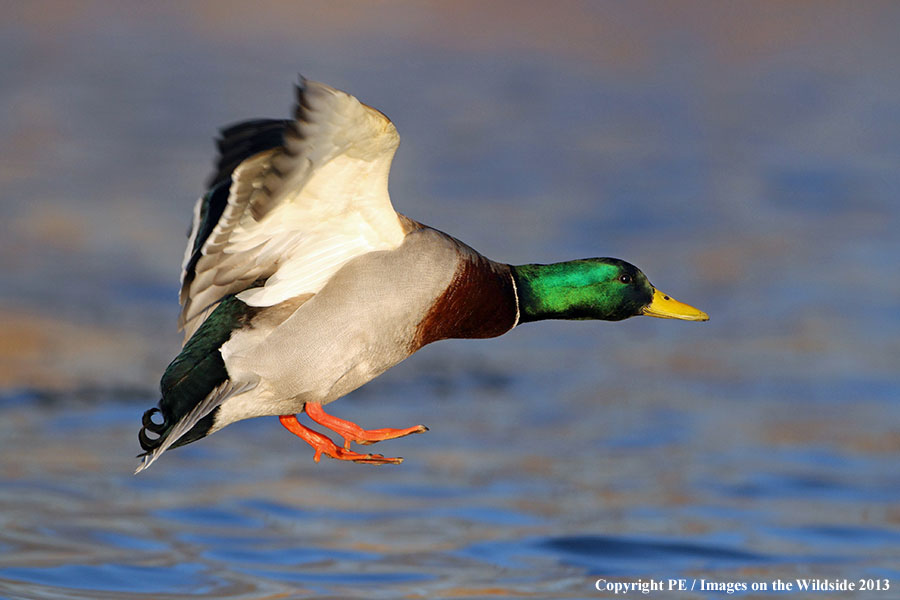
(300, 282)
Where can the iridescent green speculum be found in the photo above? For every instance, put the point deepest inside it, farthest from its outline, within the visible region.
(594, 288)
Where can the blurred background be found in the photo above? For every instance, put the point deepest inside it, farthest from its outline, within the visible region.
(744, 155)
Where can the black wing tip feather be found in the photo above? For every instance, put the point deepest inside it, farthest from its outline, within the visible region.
(239, 141)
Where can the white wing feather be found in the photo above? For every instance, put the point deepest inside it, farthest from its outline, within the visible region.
(297, 213)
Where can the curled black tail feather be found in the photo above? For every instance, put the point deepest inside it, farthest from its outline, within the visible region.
(158, 429)
(150, 425)
(161, 432)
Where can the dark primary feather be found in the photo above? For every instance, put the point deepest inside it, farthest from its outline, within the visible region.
(211, 210)
(194, 373)
(236, 144)
(242, 140)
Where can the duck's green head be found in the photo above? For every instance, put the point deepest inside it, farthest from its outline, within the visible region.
(593, 288)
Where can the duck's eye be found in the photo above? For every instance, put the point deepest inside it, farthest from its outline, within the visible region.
(626, 279)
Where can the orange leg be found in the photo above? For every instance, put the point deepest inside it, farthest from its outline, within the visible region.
(351, 432)
(323, 445)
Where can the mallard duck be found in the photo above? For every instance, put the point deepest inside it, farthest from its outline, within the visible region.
(300, 282)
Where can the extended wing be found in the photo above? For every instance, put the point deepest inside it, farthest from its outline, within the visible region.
(291, 202)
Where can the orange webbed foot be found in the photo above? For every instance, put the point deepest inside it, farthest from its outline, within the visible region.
(351, 432)
(323, 445)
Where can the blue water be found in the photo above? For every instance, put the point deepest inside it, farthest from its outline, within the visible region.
(745, 160)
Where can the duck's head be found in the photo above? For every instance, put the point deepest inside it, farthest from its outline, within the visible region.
(594, 288)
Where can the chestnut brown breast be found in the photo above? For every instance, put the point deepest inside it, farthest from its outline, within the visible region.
(480, 302)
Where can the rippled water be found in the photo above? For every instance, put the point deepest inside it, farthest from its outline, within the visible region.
(746, 160)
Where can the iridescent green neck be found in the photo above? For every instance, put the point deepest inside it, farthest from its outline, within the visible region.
(591, 288)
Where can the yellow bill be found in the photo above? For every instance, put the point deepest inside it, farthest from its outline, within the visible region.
(665, 307)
